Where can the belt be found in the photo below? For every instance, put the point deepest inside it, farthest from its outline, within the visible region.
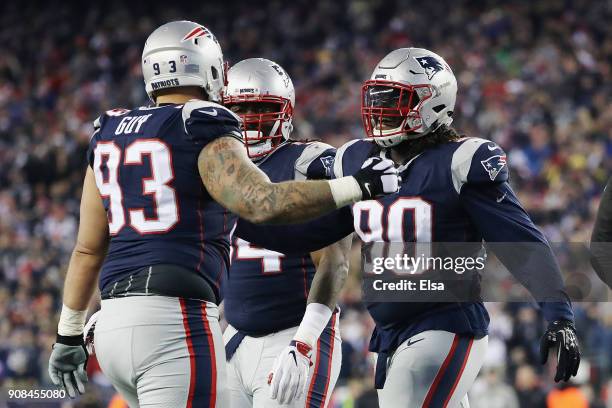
(161, 280)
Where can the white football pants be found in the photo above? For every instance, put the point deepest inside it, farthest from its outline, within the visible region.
(433, 369)
(249, 367)
(163, 351)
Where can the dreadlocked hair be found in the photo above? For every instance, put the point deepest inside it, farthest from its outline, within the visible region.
(443, 134)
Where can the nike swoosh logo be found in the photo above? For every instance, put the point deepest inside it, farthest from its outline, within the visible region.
(210, 112)
(491, 148)
(294, 358)
(367, 187)
(411, 342)
(500, 199)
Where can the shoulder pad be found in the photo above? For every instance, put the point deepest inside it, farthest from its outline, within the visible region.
(116, 112)
(358, 149)
(316, 161)
(477, 161)
(97, 124)
(205, 121)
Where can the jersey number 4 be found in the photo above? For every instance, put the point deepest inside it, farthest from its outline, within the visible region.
(109, 155)
(270, 260)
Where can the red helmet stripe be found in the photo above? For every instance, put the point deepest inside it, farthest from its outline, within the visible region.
(196, 32)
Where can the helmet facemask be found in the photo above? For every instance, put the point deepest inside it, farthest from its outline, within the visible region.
(390, 111)
(266, 121)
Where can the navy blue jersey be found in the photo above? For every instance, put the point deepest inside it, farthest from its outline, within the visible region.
(454, 192)
(145, 165)
(266, 291)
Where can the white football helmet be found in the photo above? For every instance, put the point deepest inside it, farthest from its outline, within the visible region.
(183, 53)
(259, 80)
(411, 93)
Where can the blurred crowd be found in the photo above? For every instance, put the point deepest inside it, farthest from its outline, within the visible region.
(534, 76)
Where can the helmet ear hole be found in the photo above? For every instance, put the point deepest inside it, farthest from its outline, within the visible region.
(215, 73)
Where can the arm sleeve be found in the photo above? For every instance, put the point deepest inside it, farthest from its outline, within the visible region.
(480, 177)
(601, 240)
(93, 141)
(299, 238)
(499, 217)
(206, 121)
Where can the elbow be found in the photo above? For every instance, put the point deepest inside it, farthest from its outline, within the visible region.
(90, 251)
(259, 217)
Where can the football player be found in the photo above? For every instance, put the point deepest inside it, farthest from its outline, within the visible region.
(454, 189)
(161, 188)
(601, 254)
(267, 293)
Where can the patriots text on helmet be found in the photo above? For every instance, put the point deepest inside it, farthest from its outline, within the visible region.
(165, 84)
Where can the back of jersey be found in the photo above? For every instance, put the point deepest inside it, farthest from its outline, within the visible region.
(145, 165)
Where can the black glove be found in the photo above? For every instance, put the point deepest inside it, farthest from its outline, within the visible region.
(377, 177)
(67, 364)
(562, 335)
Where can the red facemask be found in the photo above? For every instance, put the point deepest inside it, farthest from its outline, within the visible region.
(259, 128)
(391, 108)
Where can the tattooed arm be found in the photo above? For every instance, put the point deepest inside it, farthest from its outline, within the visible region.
(236, 183)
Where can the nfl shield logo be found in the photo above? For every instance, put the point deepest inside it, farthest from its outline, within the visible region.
(183, 59)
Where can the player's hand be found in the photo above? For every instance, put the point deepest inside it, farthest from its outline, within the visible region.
(67, 364)
(378, 177)
(290, 373)
(561, 334)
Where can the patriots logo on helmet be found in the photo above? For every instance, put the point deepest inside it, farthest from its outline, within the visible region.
(431, 65)
(494, 165)
(281, 73)
(197, 33)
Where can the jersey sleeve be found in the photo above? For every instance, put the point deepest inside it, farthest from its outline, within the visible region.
(299, 238)
(350, 156)
(206, 121)
(478, 161)
(93, 141)
(496, 212)
(601, 240)
(316, 162)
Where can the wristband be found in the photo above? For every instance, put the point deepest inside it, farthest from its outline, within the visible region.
(345, 190)
(313, 323)
(72, 322)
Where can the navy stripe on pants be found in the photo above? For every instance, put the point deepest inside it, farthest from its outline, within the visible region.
(449, 374)
(202, 387)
